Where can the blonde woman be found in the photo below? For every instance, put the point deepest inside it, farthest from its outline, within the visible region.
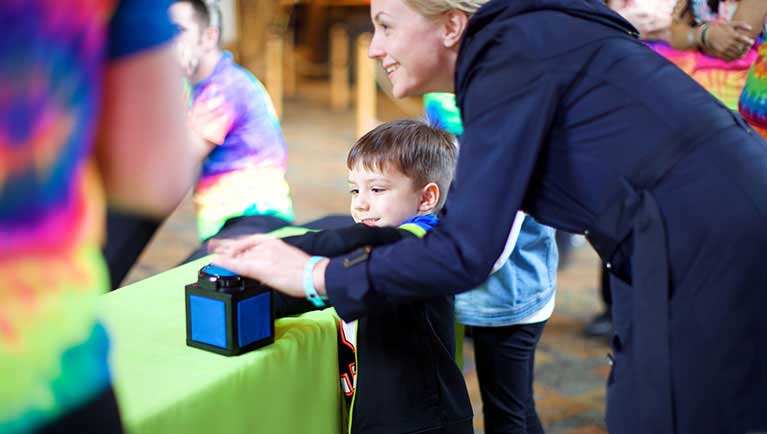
(570, 118)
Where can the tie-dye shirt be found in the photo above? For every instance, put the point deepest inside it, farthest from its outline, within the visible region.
(442, 112)
(244, 174)
(753, 99)
(53, 353)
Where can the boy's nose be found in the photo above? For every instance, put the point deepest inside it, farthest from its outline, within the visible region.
(360, 203)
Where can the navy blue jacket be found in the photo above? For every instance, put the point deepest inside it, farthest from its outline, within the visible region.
(570, 118)
(409, 381)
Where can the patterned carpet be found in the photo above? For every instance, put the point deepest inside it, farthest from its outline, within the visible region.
(570, 369)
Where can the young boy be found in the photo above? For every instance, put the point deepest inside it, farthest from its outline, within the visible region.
(408, 381)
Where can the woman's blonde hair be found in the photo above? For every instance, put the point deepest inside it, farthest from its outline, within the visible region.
(432, 8)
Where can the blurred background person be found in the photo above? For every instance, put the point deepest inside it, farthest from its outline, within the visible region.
(89, 112)
(753, 98)
(718, 50)
(651, 17)
(242, 187)
(237, 139)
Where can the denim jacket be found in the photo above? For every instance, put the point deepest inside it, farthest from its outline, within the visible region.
(522, 286)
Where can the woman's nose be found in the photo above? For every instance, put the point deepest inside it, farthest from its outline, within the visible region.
(375, 51)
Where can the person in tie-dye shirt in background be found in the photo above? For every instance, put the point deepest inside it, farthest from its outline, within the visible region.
(715, 44)
(242, 186)
(71, 76)
(753, 98)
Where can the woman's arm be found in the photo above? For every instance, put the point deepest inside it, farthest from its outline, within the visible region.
(503, 135)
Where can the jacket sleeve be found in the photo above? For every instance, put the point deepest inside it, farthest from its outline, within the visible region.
(332, 242)
(508, 105)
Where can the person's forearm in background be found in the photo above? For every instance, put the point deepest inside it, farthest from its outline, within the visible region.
(751, 12)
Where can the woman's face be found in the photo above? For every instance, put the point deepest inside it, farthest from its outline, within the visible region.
(411, 49)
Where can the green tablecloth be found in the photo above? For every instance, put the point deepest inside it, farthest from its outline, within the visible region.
(163, 386)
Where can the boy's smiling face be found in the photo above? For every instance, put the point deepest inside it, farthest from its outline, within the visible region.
(385, 198)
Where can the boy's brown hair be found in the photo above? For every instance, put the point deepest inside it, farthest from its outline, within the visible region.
(421, 152)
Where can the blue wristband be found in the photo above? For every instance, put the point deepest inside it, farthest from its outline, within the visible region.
(311, 291)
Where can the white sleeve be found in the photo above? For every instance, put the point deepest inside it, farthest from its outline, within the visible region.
(511, 241)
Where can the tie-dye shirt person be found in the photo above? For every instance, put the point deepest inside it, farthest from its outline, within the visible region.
(753, 99)
(244, 174)
(53, 54)
(725, 80)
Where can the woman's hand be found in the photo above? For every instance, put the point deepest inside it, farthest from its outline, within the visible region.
(269, 260)
(728, 41)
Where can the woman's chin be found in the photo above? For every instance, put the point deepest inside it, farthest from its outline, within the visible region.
(399, 92)
(404, 91)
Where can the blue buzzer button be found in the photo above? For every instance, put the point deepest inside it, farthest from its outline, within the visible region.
(215, 270)
(220, 279)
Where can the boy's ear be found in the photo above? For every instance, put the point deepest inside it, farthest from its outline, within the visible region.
(429, 198)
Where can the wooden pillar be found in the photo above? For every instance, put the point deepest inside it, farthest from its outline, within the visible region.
(366, 86)
(289, 71)
(339, 64)
(274, 70)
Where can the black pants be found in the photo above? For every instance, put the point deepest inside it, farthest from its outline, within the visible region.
(505, 359)
(98, 416)
(127, 236)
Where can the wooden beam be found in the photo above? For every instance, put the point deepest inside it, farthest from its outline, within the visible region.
(366, 87)
(274, 70)
(289, 63)
(339, 68)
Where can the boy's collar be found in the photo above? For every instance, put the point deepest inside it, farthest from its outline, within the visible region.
(426, 222)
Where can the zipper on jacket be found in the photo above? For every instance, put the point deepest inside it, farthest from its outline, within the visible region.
(356, 376)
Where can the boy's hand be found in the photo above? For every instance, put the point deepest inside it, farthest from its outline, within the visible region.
(270, 261)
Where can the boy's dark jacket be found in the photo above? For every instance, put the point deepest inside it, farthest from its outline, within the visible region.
(408, 380)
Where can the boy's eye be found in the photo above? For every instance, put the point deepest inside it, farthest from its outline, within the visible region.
(377, 190)
(354, 190)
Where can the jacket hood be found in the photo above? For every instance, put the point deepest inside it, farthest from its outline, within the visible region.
(591, 10)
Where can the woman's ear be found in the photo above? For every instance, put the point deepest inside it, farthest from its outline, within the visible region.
(454, 22)
(429, 198)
